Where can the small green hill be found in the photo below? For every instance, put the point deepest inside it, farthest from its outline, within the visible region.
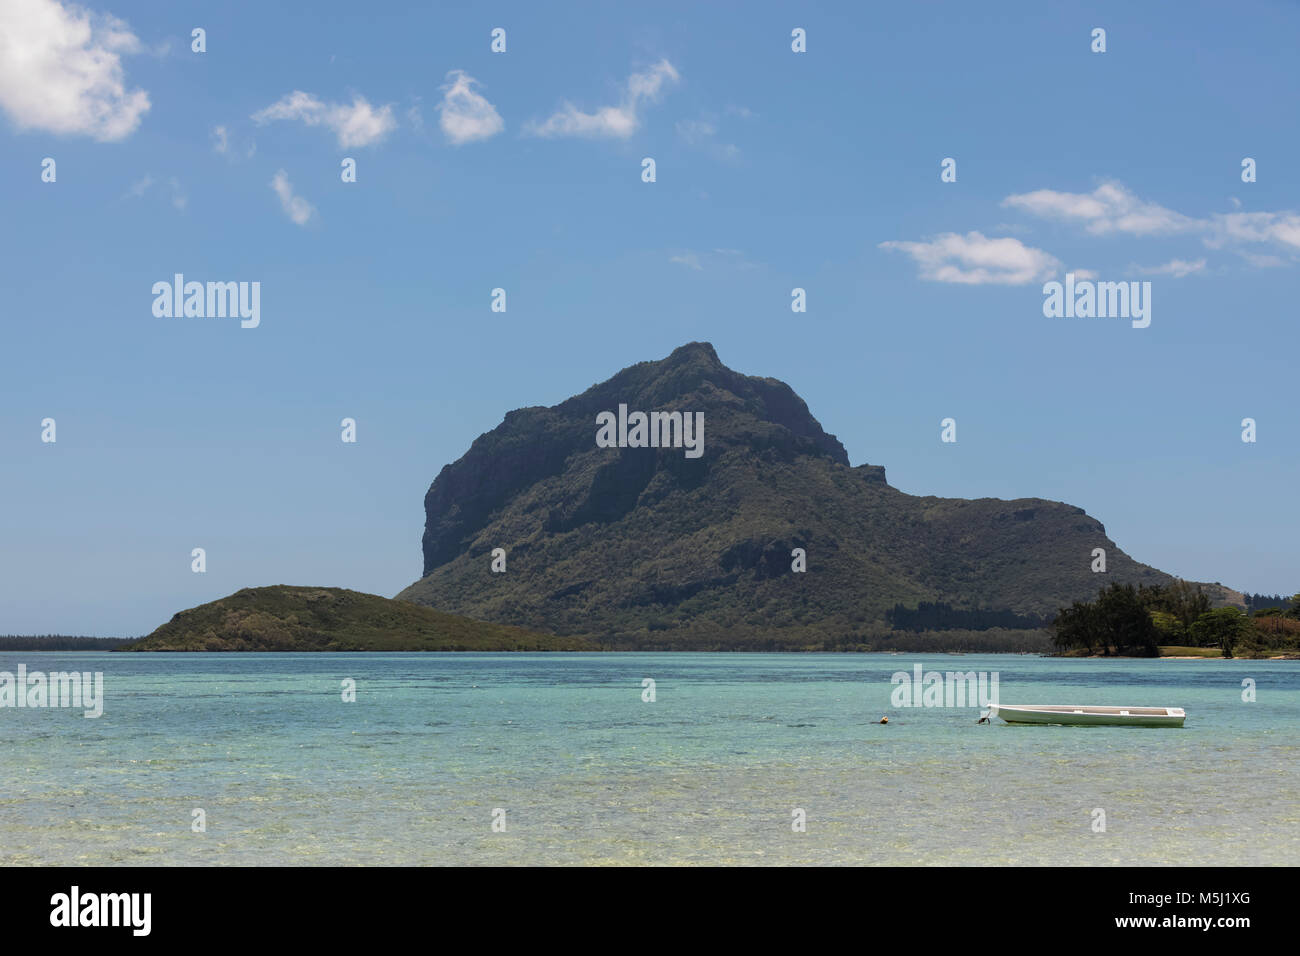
(286, 618)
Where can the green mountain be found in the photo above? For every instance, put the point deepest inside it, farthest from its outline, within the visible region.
(648, 547)
(285, 618)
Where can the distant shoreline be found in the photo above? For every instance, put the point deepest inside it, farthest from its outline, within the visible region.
(626, 650)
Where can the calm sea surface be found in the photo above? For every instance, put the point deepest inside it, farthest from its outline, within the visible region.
(586, 772)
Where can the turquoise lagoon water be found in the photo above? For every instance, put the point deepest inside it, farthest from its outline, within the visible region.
(586, 772)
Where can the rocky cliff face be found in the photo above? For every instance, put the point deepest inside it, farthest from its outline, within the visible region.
(649, 546)
(543, 445)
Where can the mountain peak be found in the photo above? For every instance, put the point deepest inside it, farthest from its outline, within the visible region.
(738, 408)
(694, 352)
(738, 415)
(767, 529)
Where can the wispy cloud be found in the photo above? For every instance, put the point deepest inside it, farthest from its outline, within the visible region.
(357, 124)
(1110, 208)
(415, 117)
(295, 207)
(975, 259)
(1113, 210)
(467, 116)
(1177, 268)
(146, 182)
(61, 70)
(617, 122)
(179, 200)
(695, 131)
(713, 259)
(702, 134)
(223, 144)
(1262, 260)
(139, 187)
(1281, 228)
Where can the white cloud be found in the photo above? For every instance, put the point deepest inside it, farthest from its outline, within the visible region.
(1262, 261)
(359, 124)
(179, 199)
(736, 258)
(975, 259)
(1107, 209)
(466, 115)
(618, 122)
(146, 182)
(139, 187)
(295, 207)
(61, 70)
(1113, 210)
(700, 134)
(224, 144)
(1174, 267)
(1282, 228)
(713, 260)
(1085, 273)
(695, 131)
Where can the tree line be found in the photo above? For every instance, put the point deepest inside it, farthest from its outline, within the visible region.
(1262, 602)
(1136, 621)
(59, 642)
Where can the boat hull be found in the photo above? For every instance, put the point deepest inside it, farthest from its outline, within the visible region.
(1081, 716)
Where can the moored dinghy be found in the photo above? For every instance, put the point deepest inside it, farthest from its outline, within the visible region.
(1088, 716)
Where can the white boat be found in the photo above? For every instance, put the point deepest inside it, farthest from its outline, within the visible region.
(1075, 715)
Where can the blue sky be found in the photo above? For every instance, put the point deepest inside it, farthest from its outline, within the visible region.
(522, 170)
